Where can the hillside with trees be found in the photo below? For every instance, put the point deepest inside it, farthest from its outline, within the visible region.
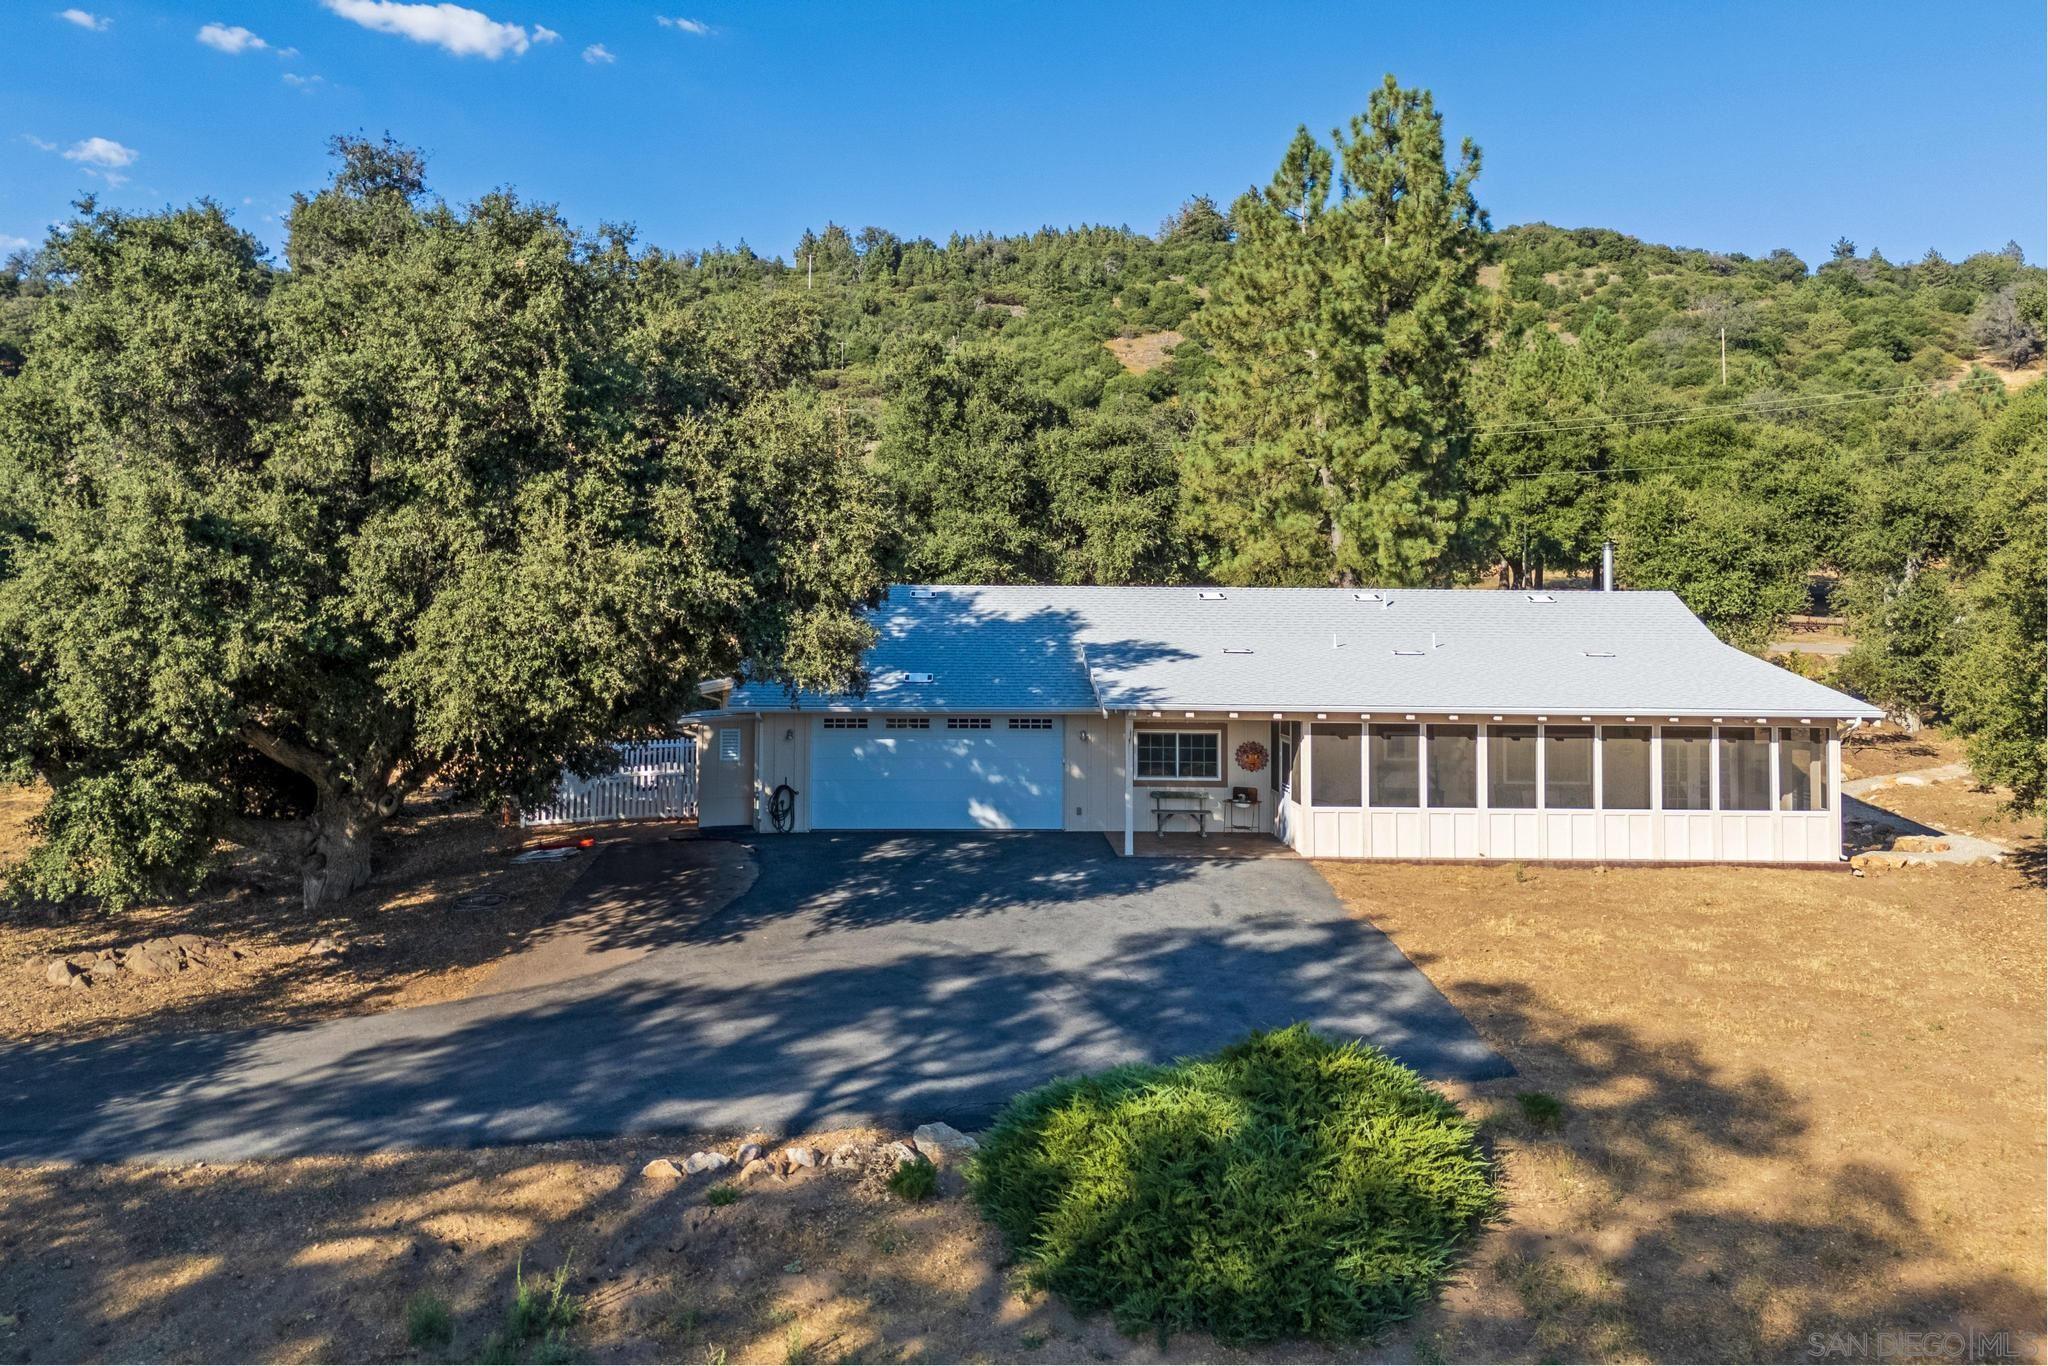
(275, 534)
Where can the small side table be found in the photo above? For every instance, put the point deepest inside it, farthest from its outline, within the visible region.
(1244, 815)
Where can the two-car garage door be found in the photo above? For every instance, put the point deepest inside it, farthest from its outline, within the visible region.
(936, 773)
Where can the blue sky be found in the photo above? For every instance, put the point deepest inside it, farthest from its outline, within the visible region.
(1737, 127)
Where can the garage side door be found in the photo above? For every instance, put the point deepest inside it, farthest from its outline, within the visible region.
(954, 773)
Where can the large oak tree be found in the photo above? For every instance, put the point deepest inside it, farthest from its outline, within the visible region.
(460, 496)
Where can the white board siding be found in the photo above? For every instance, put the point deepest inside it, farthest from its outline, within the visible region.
(937, 778)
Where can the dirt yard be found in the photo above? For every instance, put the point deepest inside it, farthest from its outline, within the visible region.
(446, 907)
(1796, 1107)
(1795, 1112)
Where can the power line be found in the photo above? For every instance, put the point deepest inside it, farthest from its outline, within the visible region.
(1613, 471)
(1760, 407)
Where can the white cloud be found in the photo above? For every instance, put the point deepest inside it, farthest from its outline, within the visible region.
(597, 54)
(102, 157)
(306, 83)
(103, 152)
(233, 40)
(453, 28)
(10, 243)
(543, 34)
(98, 23)
(40, 144)
(696, 26)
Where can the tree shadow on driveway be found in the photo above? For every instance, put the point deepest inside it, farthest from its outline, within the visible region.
(796, 1007)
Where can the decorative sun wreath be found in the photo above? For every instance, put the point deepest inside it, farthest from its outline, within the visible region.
(1251, 756)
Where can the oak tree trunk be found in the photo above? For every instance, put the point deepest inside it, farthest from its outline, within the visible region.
(337, 857)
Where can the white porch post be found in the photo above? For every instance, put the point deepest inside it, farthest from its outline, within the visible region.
(1656, 792)
(1305, 757)
(1482, 796)
(1130, 785)
(1835, 783)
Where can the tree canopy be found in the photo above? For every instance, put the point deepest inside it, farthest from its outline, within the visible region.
(460, 494)
(463, 496)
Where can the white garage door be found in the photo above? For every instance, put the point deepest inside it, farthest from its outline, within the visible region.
(936, 773)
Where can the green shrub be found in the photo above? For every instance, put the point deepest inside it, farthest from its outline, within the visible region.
(427, 1321)
(542, 1308)
(914, 1181)
(1289, 1185)
(1541, 1109)
(720, 1196)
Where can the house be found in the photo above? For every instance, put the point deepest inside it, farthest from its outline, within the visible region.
(1349, 723)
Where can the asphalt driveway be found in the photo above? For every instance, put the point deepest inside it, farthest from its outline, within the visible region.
(887, 979)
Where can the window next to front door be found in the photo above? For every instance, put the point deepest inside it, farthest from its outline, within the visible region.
(1187, 756)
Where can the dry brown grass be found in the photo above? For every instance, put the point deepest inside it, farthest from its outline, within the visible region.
(408, 945)
(1886, 748)
(314, 1259)
(1146, 351)
(1795, 1103)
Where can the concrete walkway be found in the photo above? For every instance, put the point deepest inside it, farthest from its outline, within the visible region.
(1917, 838)
(862, 978)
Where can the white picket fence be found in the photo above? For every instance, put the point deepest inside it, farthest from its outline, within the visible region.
(656, 780)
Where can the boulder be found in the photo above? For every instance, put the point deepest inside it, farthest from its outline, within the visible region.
(152, 958)
(757, 1170)
(749, 1152)
(902, 1154)
(943, 1143)
(800, 1157)
(706, 1162)
(661, 1169)
(62, 973)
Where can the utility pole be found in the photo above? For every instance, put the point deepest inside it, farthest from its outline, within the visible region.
(810, 256)
(1724, 358)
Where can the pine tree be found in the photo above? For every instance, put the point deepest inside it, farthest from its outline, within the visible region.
(1343, 328)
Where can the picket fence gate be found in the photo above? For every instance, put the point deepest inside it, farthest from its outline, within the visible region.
(656, 780)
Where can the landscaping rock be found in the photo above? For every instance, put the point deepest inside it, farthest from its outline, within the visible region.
(153, 958)
(706, 1162)
(1920, 844)
(800, 1157)
(661, 1169)
(63, 973)
(756, 1170)
(845, 1155)
(902, 1154)
(326, 946)
(943, 1143)
(749, 1152)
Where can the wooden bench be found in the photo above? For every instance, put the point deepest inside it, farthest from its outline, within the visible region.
(1192, 805)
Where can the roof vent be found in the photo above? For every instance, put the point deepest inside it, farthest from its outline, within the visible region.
(1210, 595)
(924, 592)
(1417, 653)
(1542, 597)
(917, 678)
(1368, 597)
(1599, 654)
(1237, 649)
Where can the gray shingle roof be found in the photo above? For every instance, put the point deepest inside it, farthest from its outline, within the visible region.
(1022, 649)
